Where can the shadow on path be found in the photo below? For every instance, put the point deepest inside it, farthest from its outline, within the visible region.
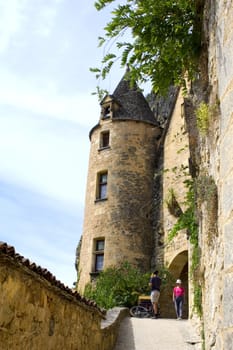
(154, 334)
(126, 336)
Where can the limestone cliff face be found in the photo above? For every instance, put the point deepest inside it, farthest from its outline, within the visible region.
(211, 166)
(217, 164)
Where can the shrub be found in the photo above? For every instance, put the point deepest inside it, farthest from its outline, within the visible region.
(172, 204)
(118, 286)
(203, 116)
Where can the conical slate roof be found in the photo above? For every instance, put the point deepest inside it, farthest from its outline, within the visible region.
(133, 105)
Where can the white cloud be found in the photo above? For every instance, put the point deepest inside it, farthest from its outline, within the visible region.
(46, 112)
(16, 14)
(48, 154)
(42, 229)
(46, 17)
(11, 19)
(44, 98)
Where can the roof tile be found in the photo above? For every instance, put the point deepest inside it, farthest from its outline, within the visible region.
(10, 252)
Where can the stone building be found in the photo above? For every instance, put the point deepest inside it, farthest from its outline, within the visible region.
(126, 216)
(205, 152)
(135, 194)
(118, 213)
(173, 170)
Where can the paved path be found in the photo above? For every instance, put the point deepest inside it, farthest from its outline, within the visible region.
(156, 334)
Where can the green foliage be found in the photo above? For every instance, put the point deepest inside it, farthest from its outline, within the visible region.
(121, 285)
(165, 39)
(168, 279)
(100, 93)
(197, 299)
(207, 195)
(172, 204)
(195, 256)
(118, 286)
(203, 116)
(187, 219)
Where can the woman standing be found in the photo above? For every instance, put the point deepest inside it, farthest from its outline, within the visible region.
(178, 298)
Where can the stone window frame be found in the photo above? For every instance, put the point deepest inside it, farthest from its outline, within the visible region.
(101, 186)
(104, 140)
(98, 255)
(106, 111)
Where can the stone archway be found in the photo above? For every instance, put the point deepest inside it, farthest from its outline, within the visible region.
(178, 268)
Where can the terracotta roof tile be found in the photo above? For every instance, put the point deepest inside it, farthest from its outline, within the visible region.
(10, 252)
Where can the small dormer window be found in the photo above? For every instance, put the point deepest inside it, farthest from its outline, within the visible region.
(106, 112)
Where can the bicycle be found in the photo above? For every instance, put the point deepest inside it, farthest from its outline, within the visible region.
(141, 312)
(144, 308)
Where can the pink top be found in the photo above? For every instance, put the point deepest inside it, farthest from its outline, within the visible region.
(178, 291)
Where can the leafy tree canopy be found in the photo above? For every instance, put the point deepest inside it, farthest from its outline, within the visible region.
(165, 40)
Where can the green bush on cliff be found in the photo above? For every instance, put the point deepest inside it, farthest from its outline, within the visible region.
(121, 285)
(118, 286)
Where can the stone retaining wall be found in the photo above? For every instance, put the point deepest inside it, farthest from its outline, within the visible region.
(39, 312)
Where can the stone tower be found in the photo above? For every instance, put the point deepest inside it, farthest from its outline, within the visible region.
(119, 195)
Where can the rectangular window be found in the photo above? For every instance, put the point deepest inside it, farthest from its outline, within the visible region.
(99, 255)
(104, 139)
(102, 185)
(99, 245)
(106, 112)
(99, 262)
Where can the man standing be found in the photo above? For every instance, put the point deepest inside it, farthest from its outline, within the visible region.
(155, 283)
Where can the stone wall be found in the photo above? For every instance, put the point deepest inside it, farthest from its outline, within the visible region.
(216, 173)
(174, 167)
(38, 312)
(211, 165)
(124, 218)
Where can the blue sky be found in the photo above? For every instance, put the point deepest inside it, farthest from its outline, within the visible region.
(46, 112)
